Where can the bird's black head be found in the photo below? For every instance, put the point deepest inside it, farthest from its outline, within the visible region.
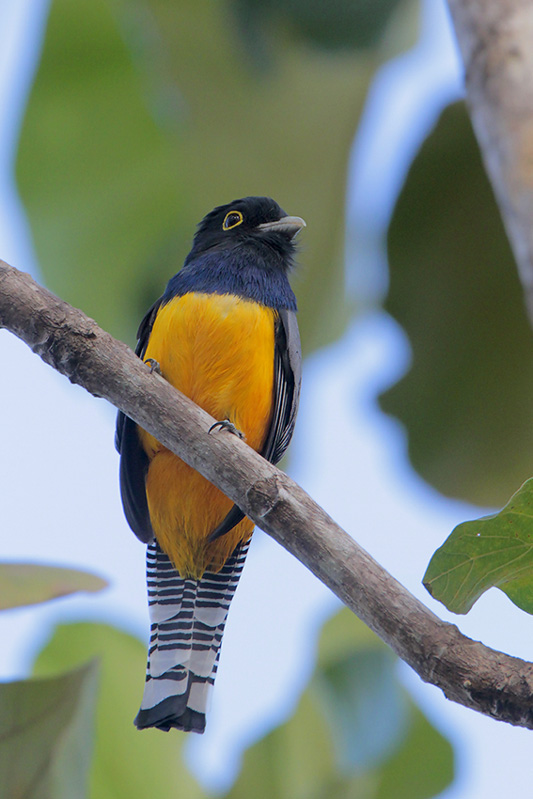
(244, 248)
(252, 222)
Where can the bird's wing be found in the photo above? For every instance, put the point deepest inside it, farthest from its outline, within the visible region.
(287, 379)
(133, 459)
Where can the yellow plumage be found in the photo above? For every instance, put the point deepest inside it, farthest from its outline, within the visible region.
(219, 351)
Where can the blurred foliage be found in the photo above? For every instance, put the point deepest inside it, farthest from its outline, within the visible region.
(30, 583)
(492, 551)
(46, 735)
(455, 290)
(355, 732)
(146, 114)
(46, 726)
(336, 25)
(126, 763)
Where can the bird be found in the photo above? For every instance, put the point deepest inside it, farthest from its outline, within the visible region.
(225, 334)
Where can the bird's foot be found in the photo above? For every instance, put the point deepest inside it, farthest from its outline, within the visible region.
(225, 424)
(154, 366)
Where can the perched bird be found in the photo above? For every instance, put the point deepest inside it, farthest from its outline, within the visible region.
(225, 334)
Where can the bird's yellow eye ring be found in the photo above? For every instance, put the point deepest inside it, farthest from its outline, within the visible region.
(232, 219)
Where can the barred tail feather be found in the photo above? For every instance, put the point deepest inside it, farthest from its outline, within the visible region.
(187, 623)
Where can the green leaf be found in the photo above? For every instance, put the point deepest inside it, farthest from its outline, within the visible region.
(46, 730)
(126, 762)
(365, 706)
(354, 733)
(294, 760)
(31, 583)
(360, 696)
(421, 767)
(99, 178)
(454, 288)
(337, 25)
(492, 551)
(146, 115)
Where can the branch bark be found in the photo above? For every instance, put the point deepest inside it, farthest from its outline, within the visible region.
(469, 673)
(495, 38)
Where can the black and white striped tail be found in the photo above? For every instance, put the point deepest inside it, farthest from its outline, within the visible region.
(187, 623)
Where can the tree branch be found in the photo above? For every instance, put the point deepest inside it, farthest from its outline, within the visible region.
(495, 38)
(480, 678)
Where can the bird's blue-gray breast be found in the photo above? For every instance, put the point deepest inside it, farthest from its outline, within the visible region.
(244, 272)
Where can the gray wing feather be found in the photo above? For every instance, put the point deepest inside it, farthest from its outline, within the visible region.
(133, 459)
(287, 380)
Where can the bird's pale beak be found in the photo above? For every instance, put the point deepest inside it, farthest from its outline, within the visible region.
(287, 224)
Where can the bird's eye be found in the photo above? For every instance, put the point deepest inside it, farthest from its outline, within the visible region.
(232, 219)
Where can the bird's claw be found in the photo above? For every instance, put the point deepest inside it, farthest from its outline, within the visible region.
(225, 424)
(154, 366)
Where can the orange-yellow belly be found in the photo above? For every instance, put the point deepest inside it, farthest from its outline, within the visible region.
(219, 351)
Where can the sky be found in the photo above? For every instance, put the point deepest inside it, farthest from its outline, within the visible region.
(58, 508)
